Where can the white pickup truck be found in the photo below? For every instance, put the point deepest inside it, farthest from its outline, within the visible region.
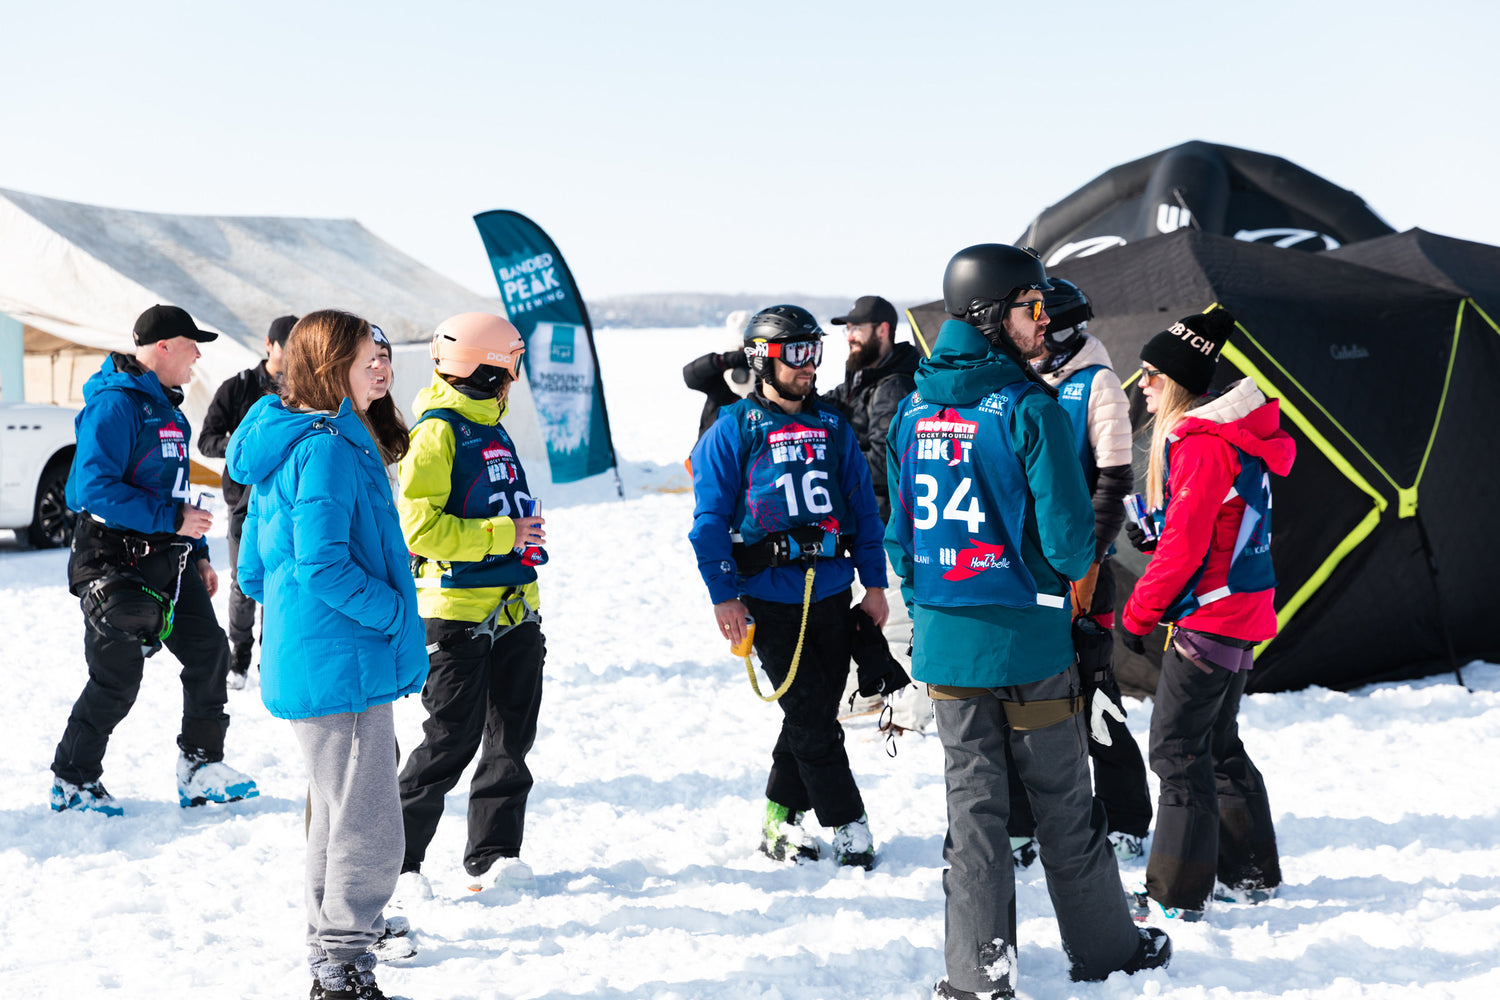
(36, 452)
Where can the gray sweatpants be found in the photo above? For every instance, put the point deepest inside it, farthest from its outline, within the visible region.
(355, 839)
(1082, 876)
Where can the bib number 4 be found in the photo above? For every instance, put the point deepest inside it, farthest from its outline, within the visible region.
(954, 510)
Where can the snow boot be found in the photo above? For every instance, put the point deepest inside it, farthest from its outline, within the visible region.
(87, 797)
(1022, 852)
(1143, 908)
(853, 846)
(944, 990)
(200, 781)
(782, 835)
(412, 888)
(239, 667)
(1154, 952)
(395, 943)
(1127, 846)
(335, 980)
(1244, 893)
(510, 873)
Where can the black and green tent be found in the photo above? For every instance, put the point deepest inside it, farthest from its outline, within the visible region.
(1385, 355)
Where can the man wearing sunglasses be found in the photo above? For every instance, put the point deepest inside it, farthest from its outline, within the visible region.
(991, 526)
(781, 491)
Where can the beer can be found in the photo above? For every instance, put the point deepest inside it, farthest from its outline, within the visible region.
(743, 647)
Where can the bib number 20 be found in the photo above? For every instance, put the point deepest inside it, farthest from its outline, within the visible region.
(815, 496)
(927, 511)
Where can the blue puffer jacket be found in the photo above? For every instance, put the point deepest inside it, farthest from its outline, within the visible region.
(130, 469)
(322, 550)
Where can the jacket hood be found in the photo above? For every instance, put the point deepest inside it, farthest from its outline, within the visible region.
(903, 360)
(1243, 417)
(265, 438)
(439, 395)
(963, 369)
(122, 371)
(1093, 352)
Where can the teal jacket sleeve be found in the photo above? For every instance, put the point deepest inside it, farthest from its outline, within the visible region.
(1042, 436)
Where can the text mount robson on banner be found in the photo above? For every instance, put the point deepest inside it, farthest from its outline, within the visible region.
(542, 300)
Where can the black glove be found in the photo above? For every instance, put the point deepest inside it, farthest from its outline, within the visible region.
(1135, 643)
(877, 670)
(1138, 537)
(733, 359)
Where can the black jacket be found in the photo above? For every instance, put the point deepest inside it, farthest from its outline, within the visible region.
(706, 375)
(869, 398)
(231, 402)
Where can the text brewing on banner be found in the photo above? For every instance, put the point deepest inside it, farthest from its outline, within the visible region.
(542, 300)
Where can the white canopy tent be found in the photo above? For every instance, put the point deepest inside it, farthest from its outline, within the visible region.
(79, 275)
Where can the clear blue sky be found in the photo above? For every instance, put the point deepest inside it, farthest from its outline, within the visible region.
(826, 148)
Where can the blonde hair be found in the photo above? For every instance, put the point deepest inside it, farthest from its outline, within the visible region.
(1174, 403)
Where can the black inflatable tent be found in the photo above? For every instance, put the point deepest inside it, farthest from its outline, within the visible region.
(1385, 356)
(1212, 188)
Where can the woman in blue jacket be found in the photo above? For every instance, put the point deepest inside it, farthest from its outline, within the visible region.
(323, 553)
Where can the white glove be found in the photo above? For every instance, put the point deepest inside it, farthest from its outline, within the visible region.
(1099, 704)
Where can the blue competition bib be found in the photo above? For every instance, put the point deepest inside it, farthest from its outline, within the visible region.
(1250, 569)
(963, 497)
(791, 463)
(486, 481)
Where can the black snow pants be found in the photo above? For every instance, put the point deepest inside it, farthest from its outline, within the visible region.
(1119, 769)
(479, 698)
(809, 768)
(115, 670)
(1214, 817)
(241, 608)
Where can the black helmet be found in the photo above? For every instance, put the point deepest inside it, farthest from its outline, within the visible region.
(777, 324)
(1070, 312)
(991, 273)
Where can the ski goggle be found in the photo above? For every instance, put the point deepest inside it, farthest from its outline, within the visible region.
(793, 353)
(1036, 308)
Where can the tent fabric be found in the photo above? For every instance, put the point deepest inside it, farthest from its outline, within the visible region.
(83, 273)
(1206, 187)
(1385, 383)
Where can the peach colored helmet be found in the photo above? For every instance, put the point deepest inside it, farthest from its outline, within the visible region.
(462, 343)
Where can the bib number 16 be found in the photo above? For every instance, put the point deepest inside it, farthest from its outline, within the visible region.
(926, 500)
(814, 495)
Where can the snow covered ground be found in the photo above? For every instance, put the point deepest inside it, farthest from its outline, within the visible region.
(650, 767)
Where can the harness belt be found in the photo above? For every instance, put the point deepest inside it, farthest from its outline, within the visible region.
(796, 545)
(1022, 716)
(491, 626)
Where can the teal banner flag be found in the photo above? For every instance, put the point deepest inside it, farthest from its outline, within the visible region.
(542, 300)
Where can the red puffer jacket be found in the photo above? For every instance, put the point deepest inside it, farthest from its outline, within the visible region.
(1204, 519)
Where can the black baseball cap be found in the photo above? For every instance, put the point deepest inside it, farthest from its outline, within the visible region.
(165, 322)
(869, 309)
(281, 328)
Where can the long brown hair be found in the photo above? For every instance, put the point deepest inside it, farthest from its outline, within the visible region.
(1173, 403)
(319, 352)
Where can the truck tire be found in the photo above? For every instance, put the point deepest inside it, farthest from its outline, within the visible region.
(51, 520)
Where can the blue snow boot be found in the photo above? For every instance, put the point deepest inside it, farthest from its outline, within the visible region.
(87, 797)
(201, 781)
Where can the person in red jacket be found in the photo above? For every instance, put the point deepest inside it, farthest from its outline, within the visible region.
(1210, 577)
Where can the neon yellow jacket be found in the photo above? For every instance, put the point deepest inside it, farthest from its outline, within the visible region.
(423, 477)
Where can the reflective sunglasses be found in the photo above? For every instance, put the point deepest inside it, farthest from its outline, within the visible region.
(1036, 308)
(794, 353)
(1148, 375)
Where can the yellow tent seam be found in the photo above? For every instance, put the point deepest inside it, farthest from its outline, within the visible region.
(1313, 399)
(1320, 576)
(1266, 385)
(1408, 503)
(916, 333)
